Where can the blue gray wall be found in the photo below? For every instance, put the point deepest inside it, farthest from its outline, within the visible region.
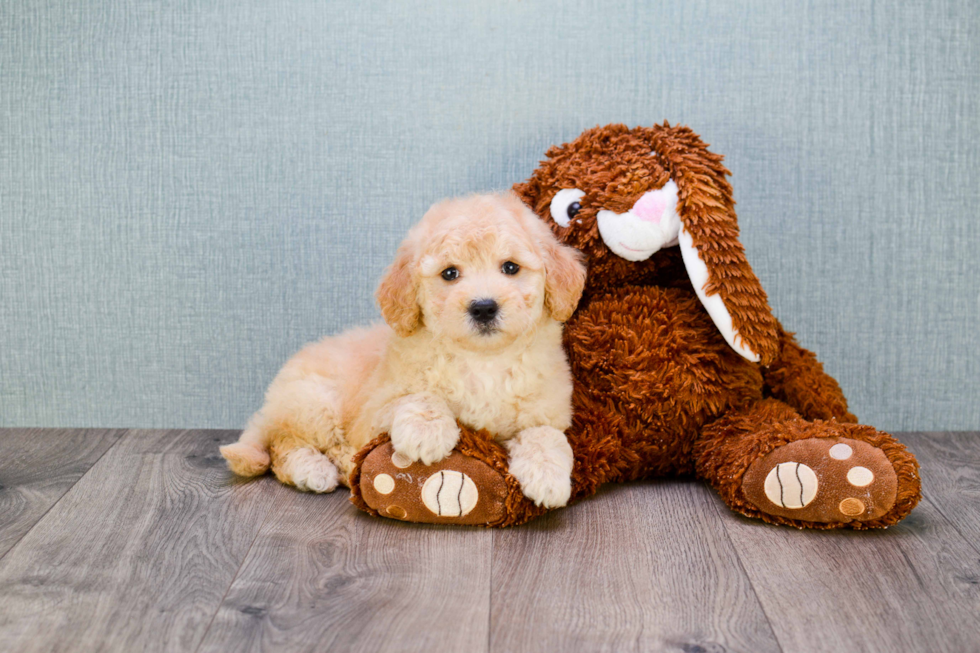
(191, 190)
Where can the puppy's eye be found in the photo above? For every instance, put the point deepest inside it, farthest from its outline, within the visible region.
(565, 205)
(510, 268)
(450, 274)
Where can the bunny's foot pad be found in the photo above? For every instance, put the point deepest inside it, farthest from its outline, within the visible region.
(457, 490)
(826, 480)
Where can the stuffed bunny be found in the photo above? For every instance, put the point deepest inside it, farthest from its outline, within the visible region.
(679, 366)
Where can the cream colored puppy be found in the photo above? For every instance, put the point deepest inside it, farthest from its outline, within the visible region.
(474, 304)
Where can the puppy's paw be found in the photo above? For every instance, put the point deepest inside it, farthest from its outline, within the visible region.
(311, 471)
(423, 436)
(541, 460)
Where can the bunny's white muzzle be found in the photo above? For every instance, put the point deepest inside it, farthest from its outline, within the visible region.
(649, 226)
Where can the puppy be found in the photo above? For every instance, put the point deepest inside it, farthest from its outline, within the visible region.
(474, 305)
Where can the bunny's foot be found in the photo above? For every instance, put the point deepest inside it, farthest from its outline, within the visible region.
(455, 490)
(768, 462)
(470, 486)
(831, 479)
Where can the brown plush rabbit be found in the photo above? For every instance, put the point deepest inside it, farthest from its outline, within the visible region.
(679, 366)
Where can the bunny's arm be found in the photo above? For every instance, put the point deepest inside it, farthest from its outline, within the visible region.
(797, 378)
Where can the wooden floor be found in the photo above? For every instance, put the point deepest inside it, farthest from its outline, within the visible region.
(142, 541)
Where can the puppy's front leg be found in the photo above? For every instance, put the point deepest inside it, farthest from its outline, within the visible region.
(423, 428)
(541, 460)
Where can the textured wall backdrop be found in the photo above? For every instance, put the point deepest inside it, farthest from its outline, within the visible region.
(190, 190)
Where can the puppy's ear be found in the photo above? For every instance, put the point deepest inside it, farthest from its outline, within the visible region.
(397, 294)
(564, 272)
(564, 278)
(714, 257)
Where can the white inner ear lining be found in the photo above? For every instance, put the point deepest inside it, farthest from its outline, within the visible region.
(714, 304)
(697, 272)
(631, 237)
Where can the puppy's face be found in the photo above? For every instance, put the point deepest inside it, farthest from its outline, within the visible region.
(481, 283)
(480, 271)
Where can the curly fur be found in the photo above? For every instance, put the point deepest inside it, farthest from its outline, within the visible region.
(658, 391)
(432, 363)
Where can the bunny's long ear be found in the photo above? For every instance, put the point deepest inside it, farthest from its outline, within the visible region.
(714, 257)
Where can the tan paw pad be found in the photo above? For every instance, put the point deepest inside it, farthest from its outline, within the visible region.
(791, 485)
(450, 494)
(851, 507)
(384, 483)
(860, 476)
(400, 460)
(397, 512)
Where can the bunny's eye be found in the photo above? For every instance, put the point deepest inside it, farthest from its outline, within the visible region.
(565, 205)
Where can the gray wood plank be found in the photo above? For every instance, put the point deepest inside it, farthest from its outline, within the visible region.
(138, 554)
(645, 566)
(913, 587)
(950, 469)
(322, 576)
(37, 467)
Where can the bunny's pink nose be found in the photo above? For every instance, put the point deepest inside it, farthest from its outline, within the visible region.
(650, 207)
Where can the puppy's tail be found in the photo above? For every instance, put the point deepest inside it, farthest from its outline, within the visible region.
(250, 455)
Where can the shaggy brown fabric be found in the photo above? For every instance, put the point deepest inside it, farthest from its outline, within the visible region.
(798, 379)
(658, 391)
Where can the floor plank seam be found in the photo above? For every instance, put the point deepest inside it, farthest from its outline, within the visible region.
(238, 571)
(720, 511)
(65, 493)
(490, 598)
(973, 545)
(923, 442)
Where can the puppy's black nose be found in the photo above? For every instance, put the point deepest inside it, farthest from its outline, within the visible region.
(483, 310)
